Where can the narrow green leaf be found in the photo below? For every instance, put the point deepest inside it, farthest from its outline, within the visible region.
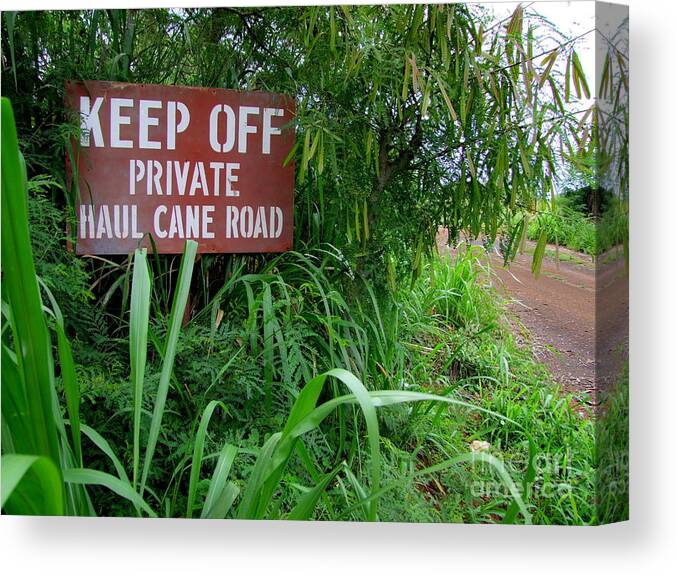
(10, 19)
(175, 319)
(20, 285)
(220, 496)
(307, 501)
(538, 255)
(198, 447)
(31, 485)
(106, 448)
(115, 484)
(140, 305)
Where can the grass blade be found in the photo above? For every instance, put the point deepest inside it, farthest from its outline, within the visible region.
(307, 501)
(197, 453)
(68, 376)
(31, 485)
(20, 286)
(138, 344)
(176, 316)
(115, 484)
(102, 444)
(220, 496)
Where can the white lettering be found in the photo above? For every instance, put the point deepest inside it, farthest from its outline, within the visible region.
(268, 129)
(104, 223)
(159, 232)
(136, 234)
(172, 127)
(86, 221)
(199, 174)
(217, 167)
(206, 221)
(244, 128)
(89, 121)
(145, 121)
(230, 179)
(227, 146)
(117, 120)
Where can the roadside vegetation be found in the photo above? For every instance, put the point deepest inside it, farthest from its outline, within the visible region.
(572, 225)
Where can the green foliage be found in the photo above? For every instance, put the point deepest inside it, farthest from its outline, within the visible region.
(612, 454)
(269, 487)
(569, 227)
(408, 116)
(37, 472)
(36, 448)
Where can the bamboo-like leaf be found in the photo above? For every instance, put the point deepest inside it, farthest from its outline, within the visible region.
(556, 95)
(219, 496)
(115, 484)
(291, 154)
(426, 99)
(356, 218)
(366, 226)
(198, 446)
(538, 255)
(31, 338)
(550, 60)
(314, 145)
(333, 31)
(515, 24)
(321, 153)
(568, 72)
(446, 98)
(406, 80)
(169, 351)
(580, 78)
(305, 154)
(602, 90)
(469, 163)
(415, 73)
(31, 485)
(140, 305)
(622, 71)
(525, 161)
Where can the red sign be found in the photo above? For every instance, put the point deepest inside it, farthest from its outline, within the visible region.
(177, 163)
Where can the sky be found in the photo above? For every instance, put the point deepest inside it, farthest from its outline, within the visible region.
(571, 18)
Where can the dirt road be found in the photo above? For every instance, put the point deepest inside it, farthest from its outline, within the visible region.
(558, 310)
(556, 314)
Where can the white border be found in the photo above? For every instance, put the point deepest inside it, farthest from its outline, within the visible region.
(647, 543)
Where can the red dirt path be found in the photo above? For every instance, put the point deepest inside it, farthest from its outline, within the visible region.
(556, 314)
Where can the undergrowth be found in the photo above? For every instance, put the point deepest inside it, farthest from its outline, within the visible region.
(267, 333)
(242, 403)
(573, 227)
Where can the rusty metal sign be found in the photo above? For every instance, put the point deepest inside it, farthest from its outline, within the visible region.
(175, 163)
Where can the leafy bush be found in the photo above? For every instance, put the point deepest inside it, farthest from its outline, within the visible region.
(573, 228)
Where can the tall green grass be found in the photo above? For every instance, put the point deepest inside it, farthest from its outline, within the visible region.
(579, 232)
(36, 447)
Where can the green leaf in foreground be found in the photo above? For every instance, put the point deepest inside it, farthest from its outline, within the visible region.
(31, 485)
